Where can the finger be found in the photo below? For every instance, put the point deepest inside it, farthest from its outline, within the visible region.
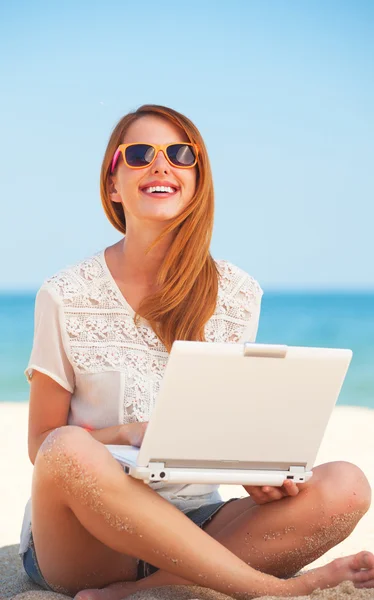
(275, 493)
(290, 488)
(278, 491)
(264, 494)
(258, 496)
(269, 490)
(271, 495)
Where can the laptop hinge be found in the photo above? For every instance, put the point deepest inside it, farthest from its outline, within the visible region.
(297, 469)
(264, 350)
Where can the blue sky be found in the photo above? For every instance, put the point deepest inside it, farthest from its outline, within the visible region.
(288, 85)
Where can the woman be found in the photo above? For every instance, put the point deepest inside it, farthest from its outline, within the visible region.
(103, 330)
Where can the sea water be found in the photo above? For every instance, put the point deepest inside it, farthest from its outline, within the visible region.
(334, 320)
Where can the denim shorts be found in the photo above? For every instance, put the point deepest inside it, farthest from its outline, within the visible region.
(31, 566)
(200, 516)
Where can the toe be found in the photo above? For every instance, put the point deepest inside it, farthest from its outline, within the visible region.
(363, 576)
(364, 560)
(366, 585)
(87, 595)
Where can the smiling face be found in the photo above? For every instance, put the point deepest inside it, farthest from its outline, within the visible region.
(127, 185)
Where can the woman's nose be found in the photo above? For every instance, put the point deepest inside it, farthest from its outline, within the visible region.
(161, 159)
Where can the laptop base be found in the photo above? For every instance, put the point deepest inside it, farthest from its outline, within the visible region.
(156, 472)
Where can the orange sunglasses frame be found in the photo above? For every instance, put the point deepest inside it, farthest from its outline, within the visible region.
(157, 147)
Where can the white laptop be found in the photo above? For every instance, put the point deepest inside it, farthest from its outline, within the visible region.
(249, 414)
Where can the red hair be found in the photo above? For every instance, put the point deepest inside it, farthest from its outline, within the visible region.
(188, 276)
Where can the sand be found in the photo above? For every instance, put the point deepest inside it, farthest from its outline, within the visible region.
(349, 436)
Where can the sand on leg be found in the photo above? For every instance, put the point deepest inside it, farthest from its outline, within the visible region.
(281, 537)
(78, 487)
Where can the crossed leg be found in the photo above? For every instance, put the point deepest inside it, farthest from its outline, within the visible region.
(281, 537)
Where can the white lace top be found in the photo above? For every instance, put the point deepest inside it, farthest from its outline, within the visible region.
(86, 340)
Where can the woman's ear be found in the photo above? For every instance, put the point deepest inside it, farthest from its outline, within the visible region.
(114, 195)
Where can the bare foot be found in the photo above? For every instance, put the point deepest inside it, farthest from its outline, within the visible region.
(122, 589)
(358, 568)
(114, 591)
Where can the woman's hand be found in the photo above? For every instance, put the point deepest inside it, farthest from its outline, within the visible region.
(266, 493)
(133, 433)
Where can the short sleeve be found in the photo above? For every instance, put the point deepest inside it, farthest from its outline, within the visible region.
(48, 353)
(253, 308)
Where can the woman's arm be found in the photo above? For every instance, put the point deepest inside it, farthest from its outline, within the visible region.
(130, 434)
(49, 409)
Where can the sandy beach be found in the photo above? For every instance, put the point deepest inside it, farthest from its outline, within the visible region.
(349, 436)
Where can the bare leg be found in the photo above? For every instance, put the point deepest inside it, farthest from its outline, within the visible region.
(277, 538)
(358, 568)
(130, 518)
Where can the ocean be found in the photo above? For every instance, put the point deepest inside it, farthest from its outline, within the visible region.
(335, 320)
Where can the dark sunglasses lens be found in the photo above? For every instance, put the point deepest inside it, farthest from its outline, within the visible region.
(139, 155)
(181, 155)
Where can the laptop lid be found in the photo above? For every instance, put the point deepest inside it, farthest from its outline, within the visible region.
(257, 406)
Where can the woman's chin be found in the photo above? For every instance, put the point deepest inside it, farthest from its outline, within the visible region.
(161, 215)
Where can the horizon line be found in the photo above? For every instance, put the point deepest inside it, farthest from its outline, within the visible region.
(271, 290)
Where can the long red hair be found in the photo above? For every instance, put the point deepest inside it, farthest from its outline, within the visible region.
(188, 277)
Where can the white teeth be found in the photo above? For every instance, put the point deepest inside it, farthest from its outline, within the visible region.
(159, 188)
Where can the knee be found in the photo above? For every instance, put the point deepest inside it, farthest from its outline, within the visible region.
(63, 447)
(344, 487)
(70, 461)
(69, 436)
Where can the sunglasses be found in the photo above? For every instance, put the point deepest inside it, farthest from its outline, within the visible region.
(139, 156)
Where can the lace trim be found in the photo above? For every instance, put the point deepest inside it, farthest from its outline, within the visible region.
(102, 335)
